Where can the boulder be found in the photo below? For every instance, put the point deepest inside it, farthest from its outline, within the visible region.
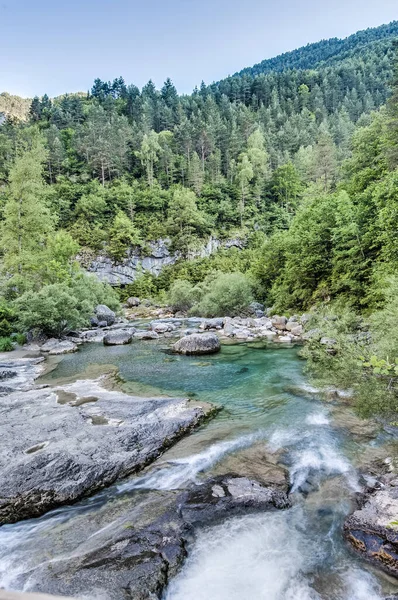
(160, 327)
(94, 322)
(146, 335)
(133, 302)
(119, 338)
(212, 324)
(372, 530)
(297, 331)
(198, 343)
(228, 495)
(279, 323)
(64, 347)
(49, 345)
(103, 313)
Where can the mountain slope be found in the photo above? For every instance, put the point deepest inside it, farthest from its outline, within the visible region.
(324, 52)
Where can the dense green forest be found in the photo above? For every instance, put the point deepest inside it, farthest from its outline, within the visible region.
(297, 156)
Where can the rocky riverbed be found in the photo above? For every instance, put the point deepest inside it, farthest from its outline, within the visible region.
(270, 464)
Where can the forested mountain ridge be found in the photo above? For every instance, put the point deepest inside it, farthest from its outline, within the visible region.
(325, 52)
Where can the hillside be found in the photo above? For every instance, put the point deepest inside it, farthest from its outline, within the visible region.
(326, 52)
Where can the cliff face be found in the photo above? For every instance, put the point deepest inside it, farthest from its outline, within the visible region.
(159, 256)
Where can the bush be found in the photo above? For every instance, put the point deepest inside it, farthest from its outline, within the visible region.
(182, 295)
(224, 294)
(7, 319)
(6, 344)
(61, 307)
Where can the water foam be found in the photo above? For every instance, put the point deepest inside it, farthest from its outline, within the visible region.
(181, 471)
(252, 557)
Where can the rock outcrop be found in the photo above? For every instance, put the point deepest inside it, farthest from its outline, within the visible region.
(156, 258)
(373, 529)
(60, 444)
(198, 343)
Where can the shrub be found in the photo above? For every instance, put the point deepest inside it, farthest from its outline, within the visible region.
(182, 295)
(61, 307)
(7, 319)
(6, 344)
(227, 294)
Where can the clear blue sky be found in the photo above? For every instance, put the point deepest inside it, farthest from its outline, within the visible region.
(56, 46)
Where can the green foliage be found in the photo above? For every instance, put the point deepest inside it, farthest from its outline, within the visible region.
(8, 318)
(224, 294)
(122, 236)
(182, 295)
(6, 344)
(60, 307)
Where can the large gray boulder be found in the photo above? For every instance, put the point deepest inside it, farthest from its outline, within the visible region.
(119, 338)
(198, 343)
(216, 323)
(372, 530)
(103, 313)
(60, 444)
(279, 323)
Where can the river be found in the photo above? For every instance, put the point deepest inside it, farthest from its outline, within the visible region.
(268, 405)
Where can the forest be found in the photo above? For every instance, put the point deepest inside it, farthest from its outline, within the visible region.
(296, 156)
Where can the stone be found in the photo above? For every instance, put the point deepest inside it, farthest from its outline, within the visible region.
(312, 335)
(329, 342)
(49, 345)
(198, 343)
(372, 532)
(103, 313)
(256, 308)
(146, 335)
(64, 347)
(119, 338)
(297, 331)
(279, 323)
(133, 302)
(162, 327)
(228, 495)
(228, 327)
(102, 324)
(212, 324)
(94, 322)
(60, 444)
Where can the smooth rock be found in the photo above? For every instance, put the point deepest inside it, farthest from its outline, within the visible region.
(64, 347)
(146, 335)
(60, 444)
(198, 343)
(118, 338)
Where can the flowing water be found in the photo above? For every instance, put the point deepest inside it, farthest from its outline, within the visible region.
(268, 406)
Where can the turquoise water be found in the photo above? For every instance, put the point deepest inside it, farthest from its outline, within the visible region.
(267, 406)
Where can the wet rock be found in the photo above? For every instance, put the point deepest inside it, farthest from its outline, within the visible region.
(133, 302)
(119, 338)
(105, 314)
(92, 438)
(372, 530)
(228, 495)
(24, 372)
(198, 343)
(136, 557)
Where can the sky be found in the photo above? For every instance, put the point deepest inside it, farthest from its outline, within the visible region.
(58, 46)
